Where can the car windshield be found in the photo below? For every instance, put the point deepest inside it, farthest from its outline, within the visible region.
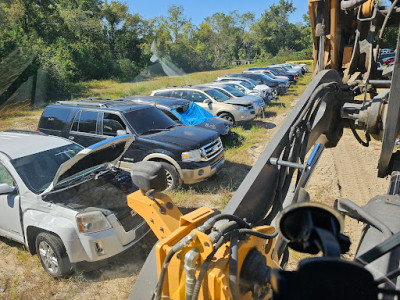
(38, 170)
(233, 91)
(217, 95)
(279, 71)
(148, 120)
(248, 85)
(271, 75)
(237, 87)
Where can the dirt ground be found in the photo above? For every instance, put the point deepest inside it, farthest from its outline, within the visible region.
(349, 170)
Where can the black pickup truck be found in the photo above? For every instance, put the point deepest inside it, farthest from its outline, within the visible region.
(188, 154)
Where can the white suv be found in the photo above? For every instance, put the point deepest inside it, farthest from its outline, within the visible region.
(65, 202)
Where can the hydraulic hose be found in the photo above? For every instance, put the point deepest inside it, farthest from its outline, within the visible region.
(233, 268)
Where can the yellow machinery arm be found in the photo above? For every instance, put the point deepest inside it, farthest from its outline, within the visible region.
(186, 237)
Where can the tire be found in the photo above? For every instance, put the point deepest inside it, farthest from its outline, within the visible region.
(173, 179)
(228, 117)
(52, 255)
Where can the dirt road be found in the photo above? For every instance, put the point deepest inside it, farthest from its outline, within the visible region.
(348, 171)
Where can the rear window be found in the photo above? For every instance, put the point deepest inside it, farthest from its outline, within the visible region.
(54, 118)
(164, 94)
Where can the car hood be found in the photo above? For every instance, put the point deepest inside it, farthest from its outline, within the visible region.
(216, 124)
(186, 137)
(262, 87)
(107, 151)
(239, 101)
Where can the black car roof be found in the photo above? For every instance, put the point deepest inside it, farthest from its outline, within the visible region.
(109, 104)
(158, 100)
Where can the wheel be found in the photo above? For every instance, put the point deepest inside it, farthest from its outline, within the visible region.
(52, 255)
(173, 179)
(228, 117)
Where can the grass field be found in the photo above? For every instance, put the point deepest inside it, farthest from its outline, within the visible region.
(21, 276)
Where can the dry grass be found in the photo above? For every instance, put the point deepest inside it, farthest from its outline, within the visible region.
(114, 89)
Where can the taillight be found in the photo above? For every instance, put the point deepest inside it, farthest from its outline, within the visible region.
(37, 130)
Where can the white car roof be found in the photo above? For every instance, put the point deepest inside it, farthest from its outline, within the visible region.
(16, 144)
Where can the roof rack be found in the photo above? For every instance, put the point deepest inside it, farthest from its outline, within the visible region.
(86, 102)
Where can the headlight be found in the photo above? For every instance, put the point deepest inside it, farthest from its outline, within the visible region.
(194, 155)
(242, 108)
(92, 221)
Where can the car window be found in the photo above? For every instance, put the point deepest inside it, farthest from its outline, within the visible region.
(111, 124)
(216, 95)
(164, 94)
(54, 118)
(248, 85)
(237, 87)
(5, 176)
(233, 91)
(197, 97)
(171, 115)
(181, 94)
(85, 121)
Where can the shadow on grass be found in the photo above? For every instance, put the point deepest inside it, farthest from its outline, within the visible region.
(229, 178)
(232, 140)
(279, 104)
(270, 114)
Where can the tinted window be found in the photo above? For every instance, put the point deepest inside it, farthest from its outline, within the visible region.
(111, 124)
(85, 121)
(197, 97)
(181, 95)
(149, 120)
(164, 94)
(53, 118)
(171, 115)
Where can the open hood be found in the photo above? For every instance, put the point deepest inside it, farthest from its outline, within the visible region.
(107, 151)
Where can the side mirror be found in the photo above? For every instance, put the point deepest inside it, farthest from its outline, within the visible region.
(207, 101)
(121, 132)
(5, 189)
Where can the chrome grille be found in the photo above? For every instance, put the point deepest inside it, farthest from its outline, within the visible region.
(211, 150)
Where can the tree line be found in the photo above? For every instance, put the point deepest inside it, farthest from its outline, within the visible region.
(79, 40)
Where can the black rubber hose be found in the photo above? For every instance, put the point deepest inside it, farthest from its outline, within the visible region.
(158, 291)
(233, 268)
(238, 220)
(358, 138)
(258, 234)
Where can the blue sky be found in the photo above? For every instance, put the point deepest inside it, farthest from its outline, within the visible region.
(197, 10)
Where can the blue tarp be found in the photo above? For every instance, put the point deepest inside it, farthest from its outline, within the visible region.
(194, 115)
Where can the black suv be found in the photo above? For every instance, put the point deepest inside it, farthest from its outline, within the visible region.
(188, 154)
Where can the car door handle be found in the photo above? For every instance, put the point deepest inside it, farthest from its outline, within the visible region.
(71, 137)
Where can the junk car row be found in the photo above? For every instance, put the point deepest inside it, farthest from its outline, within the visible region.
(63, 188)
